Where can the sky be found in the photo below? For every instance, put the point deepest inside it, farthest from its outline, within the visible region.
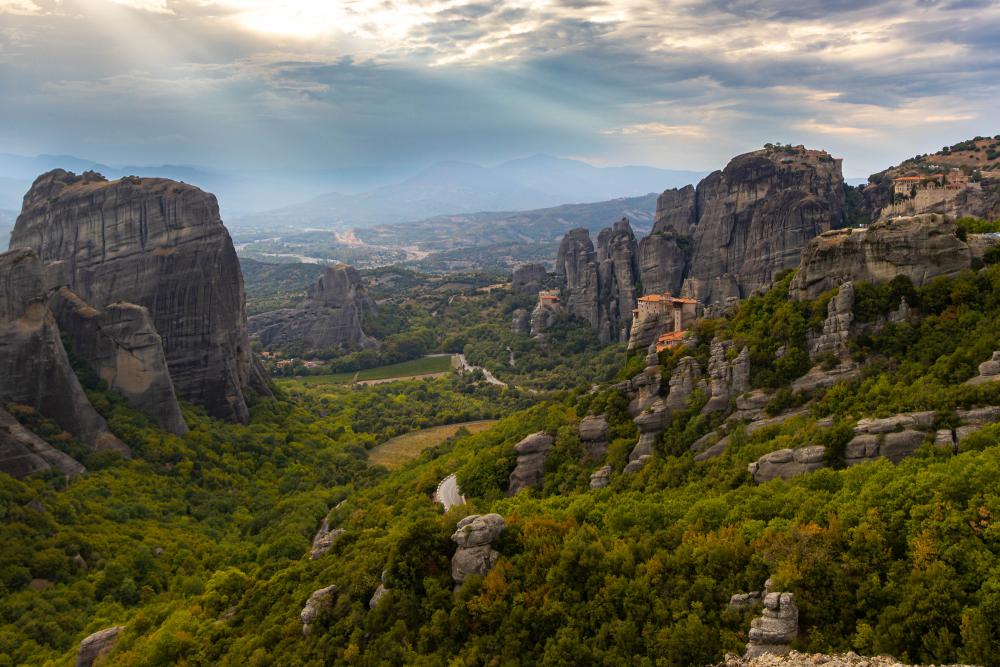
(320, 84)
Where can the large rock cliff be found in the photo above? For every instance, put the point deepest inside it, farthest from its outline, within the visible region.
(159, 244)
(743, 224)
(600, 285)
(34, 368)
(921, 247)
(330, 317)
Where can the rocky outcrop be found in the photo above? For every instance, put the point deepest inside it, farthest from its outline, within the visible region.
(749, 221)
(323, 540)
(330, 317)
(521, 322)
(23, 453)
(319, 601)
(989, 371)
(529, 279)
(120, 343)
(796, 659)
(776, 628)
(837, 325)
(650, 423)
(600, 285)
(380, 592)
(921, 248)
(594, 436)
(530, 468)
(159, 244)
(638, 464)
(474, 536)
(643, 389)
(727, 378)
(34, 368)
(97, 646)
(601, 477)
(544, 315)
(686, 377)
(893, 438)
(787, 463)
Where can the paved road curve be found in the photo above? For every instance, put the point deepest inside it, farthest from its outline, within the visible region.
(448, 493)
(464, 365)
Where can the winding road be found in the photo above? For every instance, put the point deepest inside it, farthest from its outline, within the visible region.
(448, 493)
(464, 365)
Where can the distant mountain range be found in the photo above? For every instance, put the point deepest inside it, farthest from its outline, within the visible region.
(450, 188)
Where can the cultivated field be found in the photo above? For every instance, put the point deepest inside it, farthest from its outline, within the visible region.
(402, 449)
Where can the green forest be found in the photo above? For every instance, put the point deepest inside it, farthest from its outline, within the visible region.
(199, 545)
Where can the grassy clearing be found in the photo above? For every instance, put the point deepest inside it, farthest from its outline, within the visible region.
(405, 369)
(402, 449)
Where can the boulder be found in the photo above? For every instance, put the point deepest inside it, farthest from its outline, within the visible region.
(379, 592)
(159, 244)
(775, 629)
(473, 535)
(818, 378)
(638, 464)
(898, 446)
(121, 344)
(989, 370)
(530, 467)
(601, 477)
(594, 435)
(330, 317)
(318, 601)
(97, 645)
(746, 600)
(906, 420)
(34, 368)
(921, 248)
(23, 453)
(787, 463)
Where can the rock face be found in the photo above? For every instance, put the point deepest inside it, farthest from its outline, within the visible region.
(34, 368)
(23, 453)
(474, 535)
(97, 645)
(122, 346)
(594, 435)
(989, 371)
(683, 381)
(893, 438)
(727, 379)
(379, 592)
(921, 247)
(521, 322)
(530, 468)
(776, 628)
(323, 540)
(836, 326)
(544, 315)
(600, 285)
(787, 463)
(159, 244)
(318, 601)
(745, 223)
(529, 279)
(601, 477)
(650, 424)
(330, 316)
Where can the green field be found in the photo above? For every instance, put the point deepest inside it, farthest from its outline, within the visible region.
(405, 369)
(402, 449)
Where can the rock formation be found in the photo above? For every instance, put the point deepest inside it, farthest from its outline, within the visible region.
(685, 378)
(97, 645)
(122, 346)
(34, 368)
(546, 311)
(529, 279)
(989, 371)
(23, 453)
(474, 535)
(380, 592)
(331, 315)
(776, 627)
(893, 438)
(594, 435)
(787, 463)
(745, 223)
(521, 322)
(921, 247)
(159, 244)
(530, 468)
(837, 325)
(601, 477)
(318, 601)
(727, 379)
(650, 423)
(323, 540)
(600, 285)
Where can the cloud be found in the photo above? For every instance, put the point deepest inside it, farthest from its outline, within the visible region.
(658, 129)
